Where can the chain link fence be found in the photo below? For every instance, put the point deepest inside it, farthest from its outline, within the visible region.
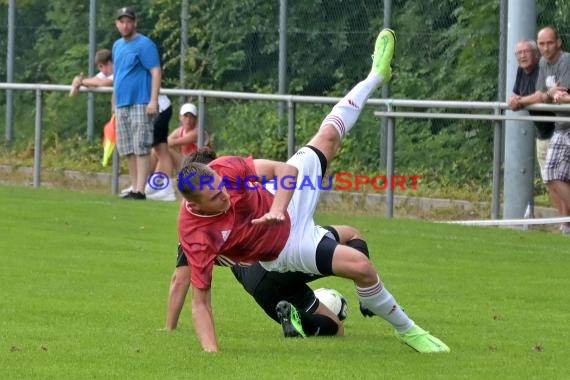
(447, 50)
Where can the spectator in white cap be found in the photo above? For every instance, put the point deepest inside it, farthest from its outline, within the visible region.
(184, 139)
(181, 142)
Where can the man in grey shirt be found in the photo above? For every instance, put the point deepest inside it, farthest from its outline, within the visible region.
(525, 84)
(552, 87)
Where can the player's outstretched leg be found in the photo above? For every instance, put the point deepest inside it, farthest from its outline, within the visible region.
(344, 114)
(290, 321)
(422, 341)
(383, 54)
(378, 300)
(375, 299)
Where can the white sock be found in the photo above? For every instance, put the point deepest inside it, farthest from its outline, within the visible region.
(378, 300)
(344, 114)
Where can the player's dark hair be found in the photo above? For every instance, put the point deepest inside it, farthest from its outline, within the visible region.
(190, 179)
(203, 155)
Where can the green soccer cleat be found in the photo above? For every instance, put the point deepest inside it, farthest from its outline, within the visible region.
(421, 341)
(290, 320)
(383, 53)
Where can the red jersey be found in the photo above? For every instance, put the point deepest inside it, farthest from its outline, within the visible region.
(186, 149)
(231, 238)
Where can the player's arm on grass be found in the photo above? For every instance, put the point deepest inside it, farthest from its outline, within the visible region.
(203, 318)
(283, 195)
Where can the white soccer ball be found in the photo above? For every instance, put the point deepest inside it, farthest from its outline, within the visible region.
(334, 301)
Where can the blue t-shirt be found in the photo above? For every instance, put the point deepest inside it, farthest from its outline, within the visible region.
(132, 62)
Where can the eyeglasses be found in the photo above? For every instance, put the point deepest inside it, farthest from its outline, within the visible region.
(525, 51)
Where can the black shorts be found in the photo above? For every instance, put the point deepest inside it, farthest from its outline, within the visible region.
(268, 288)
(181, 260)
(161, 122)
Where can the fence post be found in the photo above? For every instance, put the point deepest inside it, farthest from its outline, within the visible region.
(497, 159)
(183, 46)
(385, 90)
(390, 163)
(115, 172)
(10, 73)
(91, 71)
(282, 64)
(38, 139)
(201, 120)
(519, 135)
(291, 129)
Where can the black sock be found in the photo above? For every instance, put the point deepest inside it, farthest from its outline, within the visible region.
(317, 324)
(359, 245)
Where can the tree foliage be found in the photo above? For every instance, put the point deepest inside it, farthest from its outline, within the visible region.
(447, 49)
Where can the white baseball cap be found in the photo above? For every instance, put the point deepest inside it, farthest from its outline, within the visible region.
(188, 107)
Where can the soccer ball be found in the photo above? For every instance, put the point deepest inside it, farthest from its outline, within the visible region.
(334, 301)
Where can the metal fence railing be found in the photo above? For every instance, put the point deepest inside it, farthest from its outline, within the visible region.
(495, 116)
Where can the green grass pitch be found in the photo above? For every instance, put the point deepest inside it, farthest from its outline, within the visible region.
(84, 280)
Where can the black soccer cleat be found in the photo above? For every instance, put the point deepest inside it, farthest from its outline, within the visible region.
(290, 321)
(364, 311)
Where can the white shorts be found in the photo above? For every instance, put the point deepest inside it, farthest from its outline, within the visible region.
(541, 151)
(299, 253)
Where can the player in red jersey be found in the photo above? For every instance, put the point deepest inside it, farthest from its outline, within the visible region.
(284, 296)
(227, 217)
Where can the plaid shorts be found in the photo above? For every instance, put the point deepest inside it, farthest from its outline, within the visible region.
(134, 130)
(557, 165)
